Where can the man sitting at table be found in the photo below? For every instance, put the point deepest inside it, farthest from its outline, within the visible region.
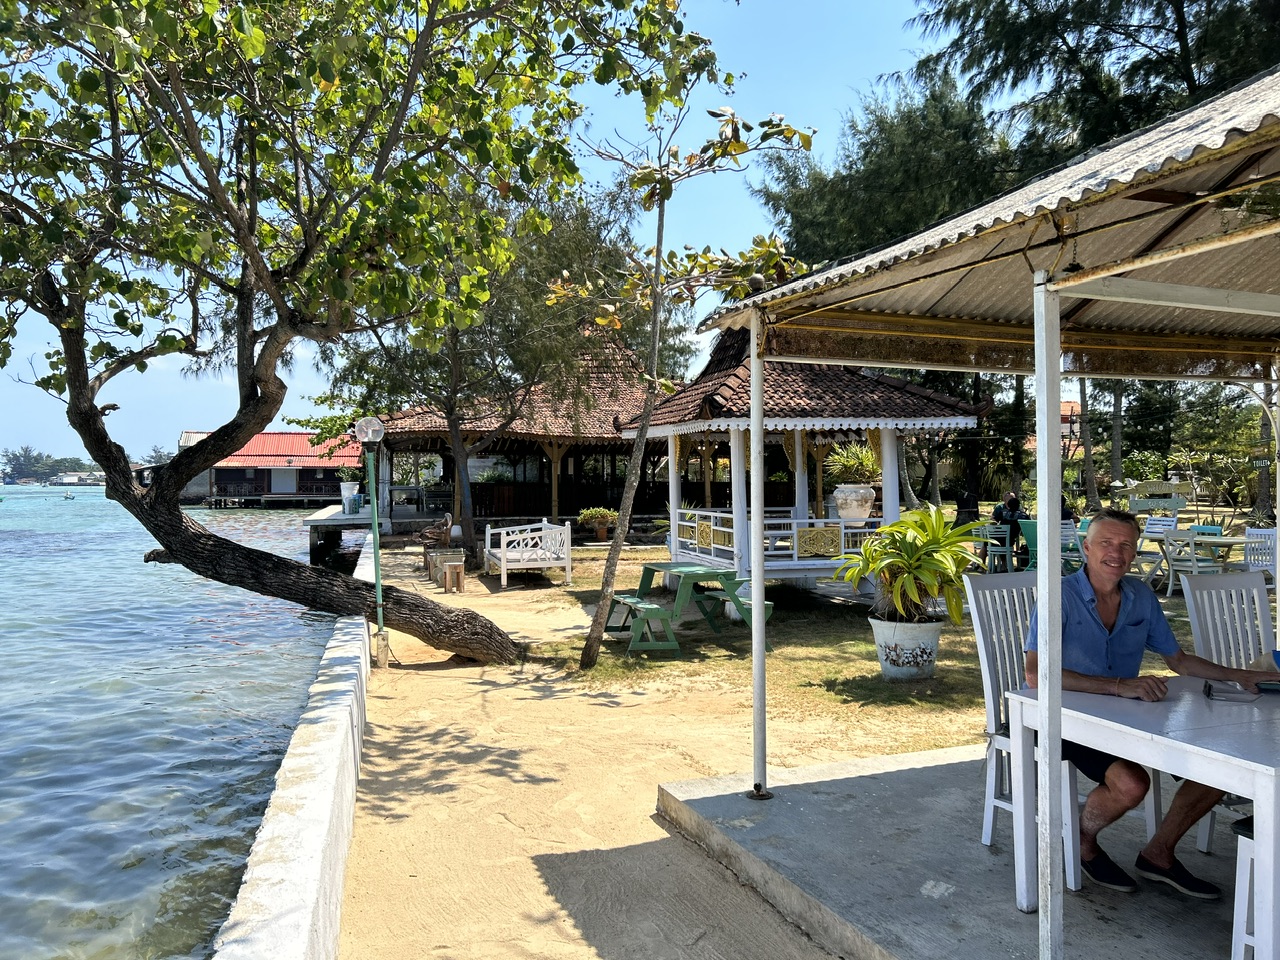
(1108, 621)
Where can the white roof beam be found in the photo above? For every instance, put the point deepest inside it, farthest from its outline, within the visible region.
(1125, 290)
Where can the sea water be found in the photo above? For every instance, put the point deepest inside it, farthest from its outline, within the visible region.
(144, 712)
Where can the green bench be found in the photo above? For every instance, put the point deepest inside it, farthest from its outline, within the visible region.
(710, 601)
(639, 616)
(743, 604)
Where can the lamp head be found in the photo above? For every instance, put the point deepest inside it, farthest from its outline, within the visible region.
(369, 430)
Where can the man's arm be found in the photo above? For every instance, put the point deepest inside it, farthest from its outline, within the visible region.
(1189, 665)
(1150, 687)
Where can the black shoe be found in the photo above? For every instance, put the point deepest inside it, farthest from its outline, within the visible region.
(1103, 871)
(1178, 877)
(1243, 827)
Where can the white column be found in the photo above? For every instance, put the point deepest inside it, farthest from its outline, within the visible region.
(890, 495)
(760, 786)
(738, 500)
(673, 493)
(1049, 613)
(801, 511)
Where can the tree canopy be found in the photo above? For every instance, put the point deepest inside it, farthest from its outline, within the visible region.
(1076, 73)
(225, 181)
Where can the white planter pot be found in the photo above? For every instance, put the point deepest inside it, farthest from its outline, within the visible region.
(907, 651)
(349, 489)
(854, 500)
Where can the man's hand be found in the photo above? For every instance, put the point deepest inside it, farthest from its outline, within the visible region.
(1149, 688)
(1249, 679)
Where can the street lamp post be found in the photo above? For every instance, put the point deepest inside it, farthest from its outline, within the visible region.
(369, 432)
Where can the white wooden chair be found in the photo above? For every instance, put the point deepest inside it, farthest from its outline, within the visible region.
(1183, 557)
(1260, 550)
(1000, 605)
(1149, 563)
(1231, 624)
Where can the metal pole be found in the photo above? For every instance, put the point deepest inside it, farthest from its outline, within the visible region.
(384, 646)
(753, 556)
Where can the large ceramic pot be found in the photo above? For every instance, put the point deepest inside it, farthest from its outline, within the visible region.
(854, 500)
(907, 651)
(349, 489)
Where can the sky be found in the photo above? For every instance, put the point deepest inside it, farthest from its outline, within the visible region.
(809, 60)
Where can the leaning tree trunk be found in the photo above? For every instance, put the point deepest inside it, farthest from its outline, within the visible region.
(1262, 504)
(1088, 468)
(1117, 433)
(904, 478)
(635, 465)
(182, 540)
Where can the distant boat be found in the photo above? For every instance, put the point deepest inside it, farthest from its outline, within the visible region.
(68, 495)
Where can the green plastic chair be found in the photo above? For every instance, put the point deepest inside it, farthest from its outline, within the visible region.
(1031, 537)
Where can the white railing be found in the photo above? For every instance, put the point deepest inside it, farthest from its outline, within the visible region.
(709, 535)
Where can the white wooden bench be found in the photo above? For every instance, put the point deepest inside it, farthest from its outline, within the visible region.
(536, 546)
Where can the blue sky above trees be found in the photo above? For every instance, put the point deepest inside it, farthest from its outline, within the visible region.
(807, 59)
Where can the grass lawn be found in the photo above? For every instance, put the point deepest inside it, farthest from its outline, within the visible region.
(822, 674)
(823, 668)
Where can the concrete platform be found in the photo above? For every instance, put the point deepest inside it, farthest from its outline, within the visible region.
(882, 858)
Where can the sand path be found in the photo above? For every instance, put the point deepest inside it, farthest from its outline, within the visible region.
(507, 813)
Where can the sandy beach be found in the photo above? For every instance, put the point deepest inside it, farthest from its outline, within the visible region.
(506, 812)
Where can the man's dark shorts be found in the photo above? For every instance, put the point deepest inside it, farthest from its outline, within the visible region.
(1092, 763)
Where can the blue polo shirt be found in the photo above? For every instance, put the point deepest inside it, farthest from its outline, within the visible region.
(1087, 646)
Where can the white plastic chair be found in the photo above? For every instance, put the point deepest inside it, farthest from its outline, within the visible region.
(1001, 604)
(1150, 559)
(1072, 552)
(1260, 550)
(1242, 915)
(1182, 556)
(1231, 624)
(1230, 617)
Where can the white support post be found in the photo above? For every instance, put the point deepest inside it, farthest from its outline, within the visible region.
(801, 511)
(738, 501)
(890, 495)
(673, 495)
(1049, 614)
(760, 785)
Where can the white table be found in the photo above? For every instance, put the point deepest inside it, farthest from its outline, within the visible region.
(1232, 746)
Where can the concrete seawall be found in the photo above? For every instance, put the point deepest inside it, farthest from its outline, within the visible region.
(290, 900)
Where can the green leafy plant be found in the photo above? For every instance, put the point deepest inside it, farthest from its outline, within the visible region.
(350, 474)
(915, 562)
(595, 516)
(852, 463)
(493, 475)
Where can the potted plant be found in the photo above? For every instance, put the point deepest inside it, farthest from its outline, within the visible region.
(349, 482)
(853, 467)
(916, 565)
(599, 517)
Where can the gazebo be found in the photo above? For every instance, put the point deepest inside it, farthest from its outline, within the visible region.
(807, 409)
(1154, 257)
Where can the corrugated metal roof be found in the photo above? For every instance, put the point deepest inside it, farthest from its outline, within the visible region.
(1172, 142)
(286, 449)
(958, 295)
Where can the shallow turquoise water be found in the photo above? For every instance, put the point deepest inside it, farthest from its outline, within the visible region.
(143, 715)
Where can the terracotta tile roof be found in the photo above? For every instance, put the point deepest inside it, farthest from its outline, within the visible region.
(286, 449)
(799, 391)
(614, 391)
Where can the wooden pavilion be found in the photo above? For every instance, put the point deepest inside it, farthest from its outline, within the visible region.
(807, 409)
(565, 446)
